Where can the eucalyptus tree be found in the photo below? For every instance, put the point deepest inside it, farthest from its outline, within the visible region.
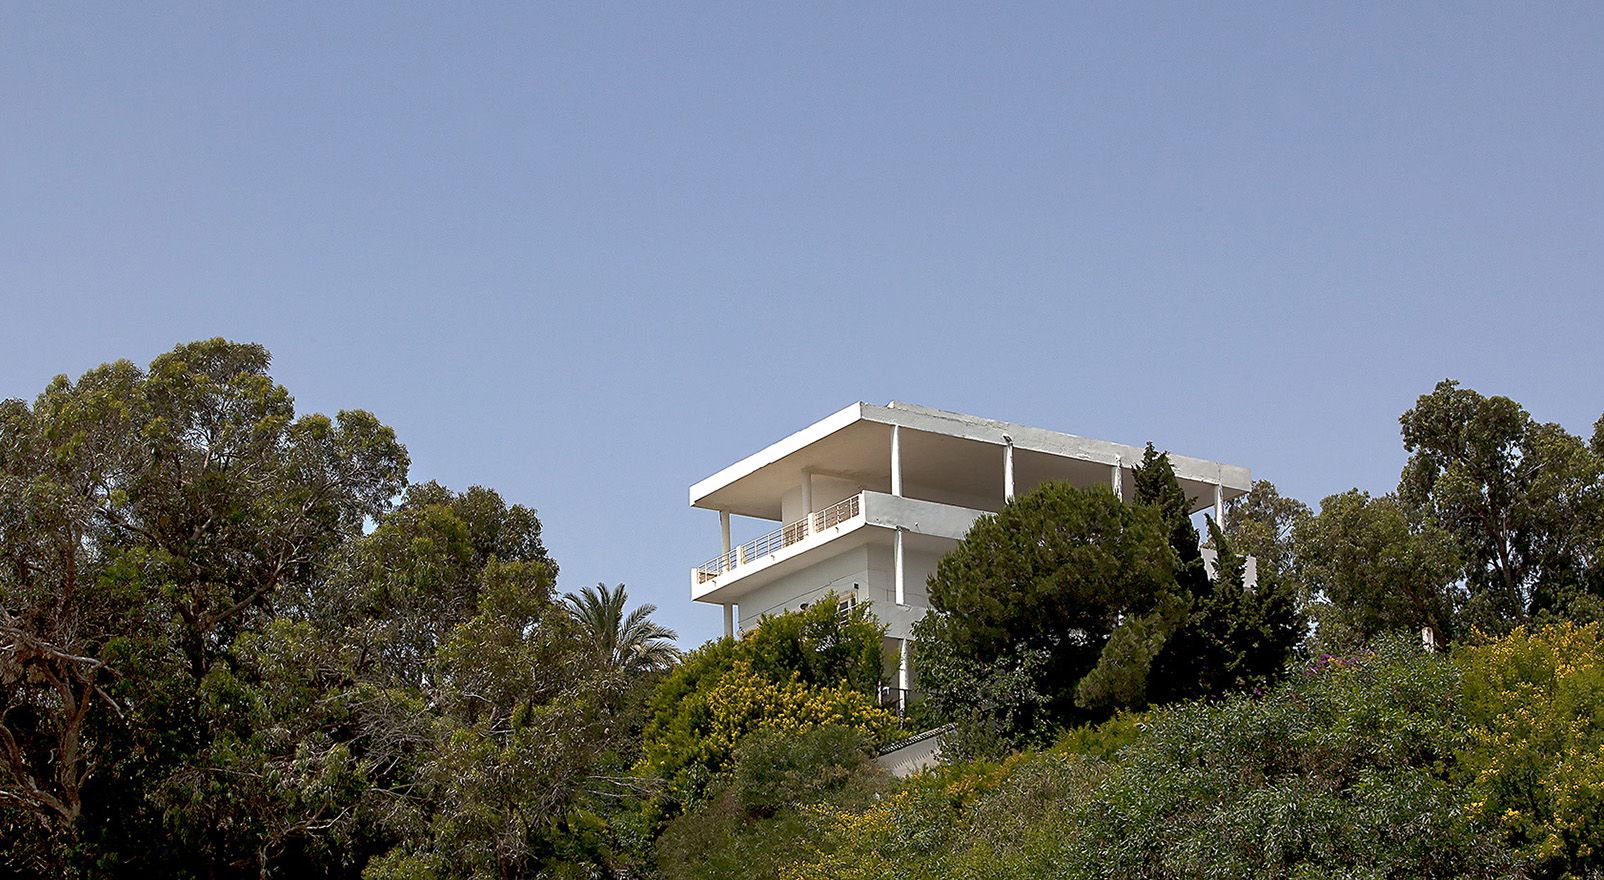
(1522, 500)
(147, 518)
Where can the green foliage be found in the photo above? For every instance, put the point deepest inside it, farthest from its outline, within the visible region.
(630, 642)
(1376, 571)
(1070, 604)
(521, 720)
(758, 815)
(1522, 500)
(819, 646)
(1224, 636)
(1044, 585)
(1260, 524)
(210, 670)
(997, 706)
(772, 769)
(149, 518)
(1158, 489)
(397, 593)
(1103, 740)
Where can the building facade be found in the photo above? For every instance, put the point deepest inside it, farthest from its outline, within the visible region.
(867, 500)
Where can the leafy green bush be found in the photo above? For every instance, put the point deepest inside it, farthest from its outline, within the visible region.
(772, 769)
(1102, 740)
(759, 815)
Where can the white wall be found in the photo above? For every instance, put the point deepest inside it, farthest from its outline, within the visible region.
(882, 588)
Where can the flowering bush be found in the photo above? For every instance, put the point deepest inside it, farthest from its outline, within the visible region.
(741, 703)
(796, 672)
(1534, 765)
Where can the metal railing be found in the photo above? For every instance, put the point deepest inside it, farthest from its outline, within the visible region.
(837, 513)
(780, 538)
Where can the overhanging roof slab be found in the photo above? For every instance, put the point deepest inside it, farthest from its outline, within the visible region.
(855, 444)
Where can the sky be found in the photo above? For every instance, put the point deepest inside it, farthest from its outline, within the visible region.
(588, 254)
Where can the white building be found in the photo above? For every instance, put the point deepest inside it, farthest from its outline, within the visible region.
(870, 498)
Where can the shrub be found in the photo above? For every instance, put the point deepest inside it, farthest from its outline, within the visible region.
(758, 817)
(1534, 763)
(795, 672)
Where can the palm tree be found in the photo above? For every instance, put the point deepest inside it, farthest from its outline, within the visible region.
(631, 644)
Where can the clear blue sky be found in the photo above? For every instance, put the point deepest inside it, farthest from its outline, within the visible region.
(589, 255)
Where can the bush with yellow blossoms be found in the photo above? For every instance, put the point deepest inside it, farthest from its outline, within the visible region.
(795, 672)
(1534, 765)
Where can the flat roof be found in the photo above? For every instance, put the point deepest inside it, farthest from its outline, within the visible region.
(854, 444)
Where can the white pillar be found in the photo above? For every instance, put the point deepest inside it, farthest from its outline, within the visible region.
(807, 502)
(729, 621)
(902, 675)
(1008, 468)
(1119, 484)
(896, 460)
(896, 566)
(1219, 506)
(724, 527)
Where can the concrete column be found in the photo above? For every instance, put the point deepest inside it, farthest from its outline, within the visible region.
(807, 502)
(1219, 506)
(896, 460)
(902, 676)
(729, 621)
(896, 566)
(724, 526)
(1119, 484)
(1008, 468)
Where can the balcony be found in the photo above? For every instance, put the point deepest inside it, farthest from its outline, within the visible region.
(864, 518)
(780, 538)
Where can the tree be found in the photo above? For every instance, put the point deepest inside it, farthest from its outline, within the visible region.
(1157, 488)
(1231, 636)
(147, 518)
(1522, 500)
(396, 594)
(1071, 581)
(1372, 570)
(995, 706)
(1259, 524)
(524, 716)
(633, 644)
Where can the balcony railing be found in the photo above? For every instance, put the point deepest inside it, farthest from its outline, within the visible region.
(780, 538)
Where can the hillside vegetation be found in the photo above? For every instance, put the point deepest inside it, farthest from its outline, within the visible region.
(237, 641)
